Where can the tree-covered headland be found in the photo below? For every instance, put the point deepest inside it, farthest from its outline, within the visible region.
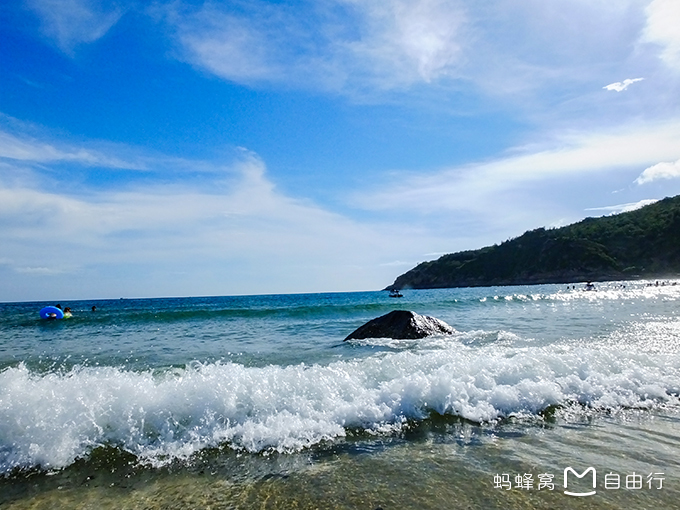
(644, 243)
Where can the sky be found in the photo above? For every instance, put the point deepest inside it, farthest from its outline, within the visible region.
(188, 148)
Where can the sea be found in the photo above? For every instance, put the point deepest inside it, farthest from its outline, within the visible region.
(546, 396)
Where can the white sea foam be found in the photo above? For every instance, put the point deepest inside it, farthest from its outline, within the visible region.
(49, 420)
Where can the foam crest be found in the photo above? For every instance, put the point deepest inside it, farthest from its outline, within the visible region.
(50, 420)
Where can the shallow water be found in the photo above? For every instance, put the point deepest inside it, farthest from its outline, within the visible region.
(256, 402)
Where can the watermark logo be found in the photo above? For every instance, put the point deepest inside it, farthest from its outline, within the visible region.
(578, 484)
(582, 475)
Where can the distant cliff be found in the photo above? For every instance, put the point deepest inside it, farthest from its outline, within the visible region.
(637, 244)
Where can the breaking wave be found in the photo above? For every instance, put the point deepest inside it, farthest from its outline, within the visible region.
(49, 420)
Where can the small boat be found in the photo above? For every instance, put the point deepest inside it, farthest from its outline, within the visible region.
(395, 293)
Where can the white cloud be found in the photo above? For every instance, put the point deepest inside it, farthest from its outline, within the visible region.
(403, 42)
(663, 20)
(531, 51)
(28, 149)
(229, 46)
(73, 22)
(478, 186)
(397, 263)
(40, 271)
(343, 44)
(622, 208)
(153, 210)
(664, 170)
(534, 43)
(240, 235)
(360, 46)
(620, 86)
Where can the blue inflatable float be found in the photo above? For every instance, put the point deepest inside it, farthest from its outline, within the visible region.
(51, 312)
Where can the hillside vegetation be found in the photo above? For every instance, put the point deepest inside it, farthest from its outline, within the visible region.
(644, 243)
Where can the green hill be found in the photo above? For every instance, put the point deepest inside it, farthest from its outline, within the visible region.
(644, 243)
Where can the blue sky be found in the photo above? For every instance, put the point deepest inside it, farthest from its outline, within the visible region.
(213, 148)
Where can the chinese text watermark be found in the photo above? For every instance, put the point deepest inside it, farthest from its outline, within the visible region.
(579, 484)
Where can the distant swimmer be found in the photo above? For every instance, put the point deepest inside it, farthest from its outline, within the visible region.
(67, 312)
(94, 308)
(589, 286)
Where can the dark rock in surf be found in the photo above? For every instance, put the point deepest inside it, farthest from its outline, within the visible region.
(401, 324)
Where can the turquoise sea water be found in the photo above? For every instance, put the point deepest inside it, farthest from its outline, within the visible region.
(257, 402)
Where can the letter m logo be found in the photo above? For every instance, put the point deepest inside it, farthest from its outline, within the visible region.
(582, 475)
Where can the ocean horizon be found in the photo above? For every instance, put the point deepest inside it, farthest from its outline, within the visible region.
(544, 396)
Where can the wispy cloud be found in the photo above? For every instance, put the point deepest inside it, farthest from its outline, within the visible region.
(28, 149)
(239, 224)
(397, 263)
(235, 47)
(372, 48)
(72, 22)
(477, 186)
(403, 42)
(34, 146)
(621, 208)
(663, 170)
(359, 46)
(662, 29)
(155, 209)
(620, 86)
(337, 45)
(40, 271)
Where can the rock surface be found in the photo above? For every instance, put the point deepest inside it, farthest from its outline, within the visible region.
(401, 324)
